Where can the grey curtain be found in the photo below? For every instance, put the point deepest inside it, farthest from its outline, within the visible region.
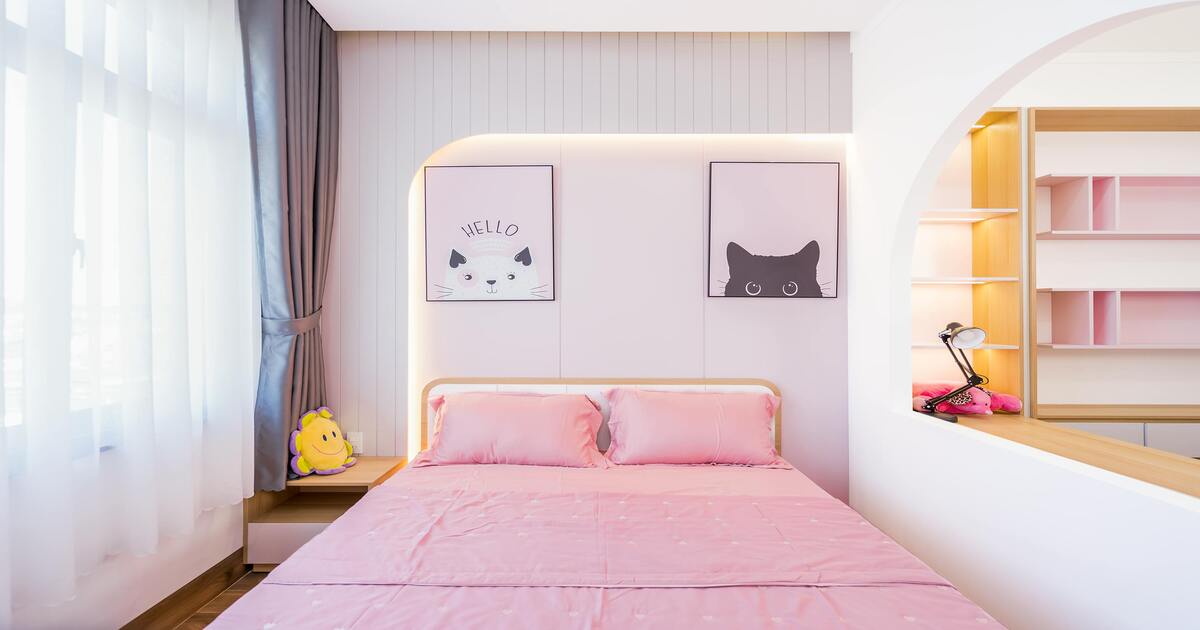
(291, 90)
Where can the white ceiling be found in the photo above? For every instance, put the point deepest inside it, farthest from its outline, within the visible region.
(600, 15)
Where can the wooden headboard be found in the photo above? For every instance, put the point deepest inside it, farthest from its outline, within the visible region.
(593, 387)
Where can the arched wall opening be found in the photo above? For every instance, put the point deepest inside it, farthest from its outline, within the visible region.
(920, 183)
(1016, 529)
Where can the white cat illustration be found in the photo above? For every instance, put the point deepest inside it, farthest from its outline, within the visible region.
(491, 276)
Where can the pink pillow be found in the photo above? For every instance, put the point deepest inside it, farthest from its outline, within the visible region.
(491, 428)
(691, 428)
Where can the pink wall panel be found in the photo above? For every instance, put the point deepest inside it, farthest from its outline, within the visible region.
(630, 223)
(800, 344)
(631, 246)
(407, 94)
(481, 338)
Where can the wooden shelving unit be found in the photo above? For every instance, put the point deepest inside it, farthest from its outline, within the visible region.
(962, 279)
(1138, 210)
(965, 215)
(979, 284)
(996, 247)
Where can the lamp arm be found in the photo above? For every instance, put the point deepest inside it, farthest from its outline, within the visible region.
(967, 375)
(970, 370)
(974, 377)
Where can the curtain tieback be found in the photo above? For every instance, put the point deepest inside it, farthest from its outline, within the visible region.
(291, 327)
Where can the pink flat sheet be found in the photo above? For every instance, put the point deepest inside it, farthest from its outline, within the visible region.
(644, 546)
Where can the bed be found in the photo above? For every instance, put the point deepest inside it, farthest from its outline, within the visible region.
(649, 546)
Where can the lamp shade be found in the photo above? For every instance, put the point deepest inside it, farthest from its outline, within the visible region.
(965, 337)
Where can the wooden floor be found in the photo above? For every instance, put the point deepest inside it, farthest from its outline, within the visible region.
(208, 612)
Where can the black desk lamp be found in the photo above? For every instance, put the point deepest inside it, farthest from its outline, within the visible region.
(964, 338)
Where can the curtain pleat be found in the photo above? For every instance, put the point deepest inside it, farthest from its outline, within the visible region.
(128, 354)
(46, 313)
(291, 75)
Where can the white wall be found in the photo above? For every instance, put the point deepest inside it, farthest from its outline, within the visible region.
(1086, 79)
(1151, 61)
(631, 222)
(405, 94)
(1039, 541)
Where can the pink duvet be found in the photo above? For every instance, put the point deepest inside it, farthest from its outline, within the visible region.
(654, 546)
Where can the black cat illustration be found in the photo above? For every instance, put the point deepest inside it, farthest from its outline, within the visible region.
(794, 275)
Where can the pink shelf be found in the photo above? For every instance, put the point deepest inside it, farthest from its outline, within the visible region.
(1054, 180)
(1151, 289)
(1151, 317)
(1071, 314)
(1123, 235)
(1122, 320)
(1123, 346)
(1162, 204)
(1123, 207)
(1071, 203)
(1104, 203)
(1106, 317)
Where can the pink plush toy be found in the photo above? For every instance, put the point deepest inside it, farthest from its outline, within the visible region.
(1005, 403)
(974, 401)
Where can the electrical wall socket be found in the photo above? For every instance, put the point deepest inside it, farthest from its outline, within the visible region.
(356, 442)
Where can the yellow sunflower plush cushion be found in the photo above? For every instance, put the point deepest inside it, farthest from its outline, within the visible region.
(318, 445)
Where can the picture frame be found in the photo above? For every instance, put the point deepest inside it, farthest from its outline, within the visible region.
(489, 233)
(773, 229)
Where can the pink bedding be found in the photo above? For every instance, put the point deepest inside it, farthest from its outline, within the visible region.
(652, 546)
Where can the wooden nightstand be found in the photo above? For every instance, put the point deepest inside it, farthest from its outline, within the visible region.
(278, 523)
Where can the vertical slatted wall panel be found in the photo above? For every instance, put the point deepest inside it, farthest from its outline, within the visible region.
(702, 78)
(685, 81)
(366, 331)
(407, 162)
(390, 360)
(406, 94)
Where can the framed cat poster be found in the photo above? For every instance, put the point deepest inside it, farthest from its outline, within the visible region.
(489, 233)
(773, 229)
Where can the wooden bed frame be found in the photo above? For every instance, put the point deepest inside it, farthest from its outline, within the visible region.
(645, 383)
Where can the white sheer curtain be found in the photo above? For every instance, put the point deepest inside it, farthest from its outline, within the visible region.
(129, 317)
